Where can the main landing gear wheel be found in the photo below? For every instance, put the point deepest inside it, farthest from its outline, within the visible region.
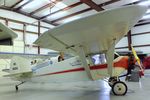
(119, 88)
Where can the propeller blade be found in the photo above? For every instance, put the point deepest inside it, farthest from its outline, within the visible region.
(136, 57)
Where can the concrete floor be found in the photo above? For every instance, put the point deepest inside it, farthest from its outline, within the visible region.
(98, 90)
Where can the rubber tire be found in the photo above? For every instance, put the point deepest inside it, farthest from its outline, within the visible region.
(116, 85)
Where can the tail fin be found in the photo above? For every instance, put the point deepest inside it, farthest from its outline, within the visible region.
(20, 65)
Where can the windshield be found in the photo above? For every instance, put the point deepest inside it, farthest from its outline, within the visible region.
(99, 59)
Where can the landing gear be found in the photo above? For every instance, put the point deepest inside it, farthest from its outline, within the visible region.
(16, 88)
(18, 85)
(118, 87)
(112, 80)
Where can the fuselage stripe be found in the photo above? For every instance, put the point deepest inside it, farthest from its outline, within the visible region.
(103, 66)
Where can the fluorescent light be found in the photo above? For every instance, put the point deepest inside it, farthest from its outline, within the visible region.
(146, 17)
(145, 3)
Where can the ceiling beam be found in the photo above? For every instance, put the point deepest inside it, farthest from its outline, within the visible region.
(82, 11)
(64, 9)
(92, 4)
(51, 4)
(39, 33)
(26, 14)
(16, 4)
(23, 5)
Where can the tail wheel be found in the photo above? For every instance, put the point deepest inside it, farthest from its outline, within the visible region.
(16, 88)
(119, 88)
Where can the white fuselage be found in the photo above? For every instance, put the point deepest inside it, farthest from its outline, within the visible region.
(53, 71)
(69, 70)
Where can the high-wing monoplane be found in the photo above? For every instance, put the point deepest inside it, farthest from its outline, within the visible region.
(95, 34)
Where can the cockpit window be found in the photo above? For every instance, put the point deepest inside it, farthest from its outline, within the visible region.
(99, 59)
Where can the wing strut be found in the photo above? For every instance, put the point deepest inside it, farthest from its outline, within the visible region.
(84, 61)
(110, 58)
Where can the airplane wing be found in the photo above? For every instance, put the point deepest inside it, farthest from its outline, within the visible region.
(7, 55)
(96, 33)
(6, 35)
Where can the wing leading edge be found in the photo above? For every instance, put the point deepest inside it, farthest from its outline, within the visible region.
(6, 35)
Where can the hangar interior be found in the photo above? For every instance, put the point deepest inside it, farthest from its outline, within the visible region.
(31, 18)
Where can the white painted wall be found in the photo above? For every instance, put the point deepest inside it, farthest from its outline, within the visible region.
(137, 40)
(15, 25)
(143, 39)
(30, 38)
(31, 50)
(20, 36)
(42, 30)
(140, 29)
(122, 43)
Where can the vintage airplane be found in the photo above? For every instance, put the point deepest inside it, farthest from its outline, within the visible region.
(87, 36)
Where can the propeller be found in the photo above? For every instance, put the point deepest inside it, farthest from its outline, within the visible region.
(137, 58)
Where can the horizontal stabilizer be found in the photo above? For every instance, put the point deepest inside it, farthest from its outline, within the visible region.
(7, 55)
(6, 70)
(20, 75)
